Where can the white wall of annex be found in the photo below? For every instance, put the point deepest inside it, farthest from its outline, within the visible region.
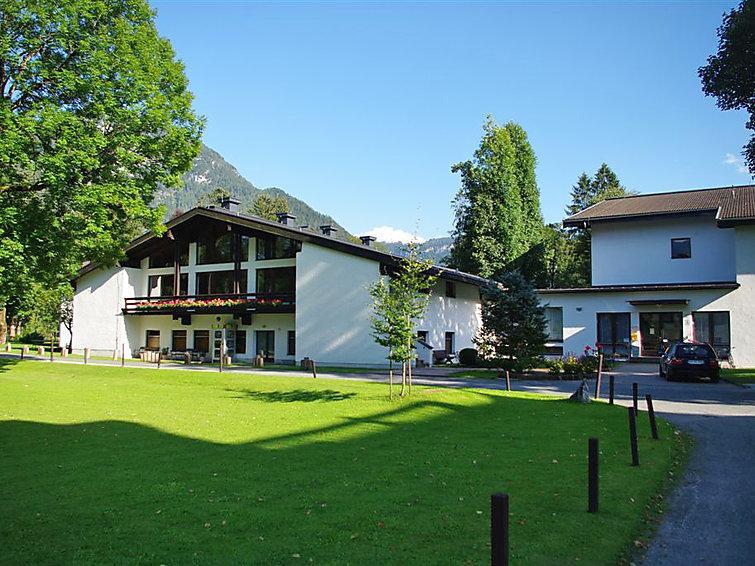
(460, 315)
(639, 251)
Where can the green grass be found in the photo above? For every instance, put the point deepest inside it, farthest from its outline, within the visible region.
(103, 465)
(738, 375)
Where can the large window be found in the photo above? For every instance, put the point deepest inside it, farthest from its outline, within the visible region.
(202, 341)
(220, 249)
(219, 282)
(713, 328)
(153, 340)
(162, 285)
(276, 280)
(681, 248)
(276, 247)
(166, 256)
(554, 317)
(178, 342)
(614, 336)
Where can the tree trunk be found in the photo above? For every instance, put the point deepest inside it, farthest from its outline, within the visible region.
(409, 367)
(403, 379)
(390, 376)
(69, 327)
(3, 325)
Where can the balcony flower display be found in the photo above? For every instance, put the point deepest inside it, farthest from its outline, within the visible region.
(198, 303)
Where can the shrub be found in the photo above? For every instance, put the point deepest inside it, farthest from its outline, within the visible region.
(468, 357)
(555, 367)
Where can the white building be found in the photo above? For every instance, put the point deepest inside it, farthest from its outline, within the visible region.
(674, 266)
(273, 288)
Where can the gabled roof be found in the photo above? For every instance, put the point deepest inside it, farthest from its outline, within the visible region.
(256, 224)
(729, 205)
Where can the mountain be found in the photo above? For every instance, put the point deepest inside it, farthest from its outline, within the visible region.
(211, 171)
(434, 249)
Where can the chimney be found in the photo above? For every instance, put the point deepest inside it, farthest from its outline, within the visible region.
(367, 240)
(285, 218)
(328, 230)
(230, 204)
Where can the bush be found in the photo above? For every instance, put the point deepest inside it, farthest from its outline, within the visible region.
(555, 367)
(468, 357)
(32, 338)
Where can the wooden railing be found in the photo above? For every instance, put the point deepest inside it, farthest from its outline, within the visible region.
(219, 303)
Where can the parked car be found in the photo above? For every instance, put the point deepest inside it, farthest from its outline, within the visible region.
(689, 359)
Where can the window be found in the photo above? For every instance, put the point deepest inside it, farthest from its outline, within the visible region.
(202, 341)
(713, 328)
(277, 280)
(179, 341)
(220, 249)
(241, 341)
(153, 288)
(450, 289)
(450, 345)
(554, 317)
(276, 247)
(422, 335)
(166, 285)
(681, 248)
(153, 340)
(219, 282)
(291, 348)
(165, 257)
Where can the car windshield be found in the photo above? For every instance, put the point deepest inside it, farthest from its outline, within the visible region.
(693, 350)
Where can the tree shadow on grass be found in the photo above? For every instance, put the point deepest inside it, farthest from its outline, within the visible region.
(407, 485)
(7, 361)
(292, 396)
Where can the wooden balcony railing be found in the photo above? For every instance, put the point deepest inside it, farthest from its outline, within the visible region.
(212, 304)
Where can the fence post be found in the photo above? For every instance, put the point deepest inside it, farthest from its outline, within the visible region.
(159, 357)
(634, 397)
(314, 369)
(508, 381)
(86, 355)
(52, 347)
(123, 355)
(24, 351)
(40, 351)
(592, 475)
(633, 436)
(651, 416)
(599, 376)
(499, 529)
(610, 389)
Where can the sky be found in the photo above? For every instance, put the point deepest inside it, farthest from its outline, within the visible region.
(360, 109)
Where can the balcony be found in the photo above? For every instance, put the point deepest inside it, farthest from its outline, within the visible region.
(238, 304)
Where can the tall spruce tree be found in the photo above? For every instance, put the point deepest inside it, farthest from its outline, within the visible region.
(586, 192)
(498, 205)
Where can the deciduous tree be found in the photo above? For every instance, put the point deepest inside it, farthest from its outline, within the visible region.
(95, 116)
(730, 73)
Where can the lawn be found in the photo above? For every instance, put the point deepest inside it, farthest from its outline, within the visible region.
(738, 375)
(102, 465)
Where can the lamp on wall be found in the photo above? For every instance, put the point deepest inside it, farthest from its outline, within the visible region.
(579, 309)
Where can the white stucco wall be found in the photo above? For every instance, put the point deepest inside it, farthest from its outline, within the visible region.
(460, 315)
(639, 251)
(98, 322)
(333, 307)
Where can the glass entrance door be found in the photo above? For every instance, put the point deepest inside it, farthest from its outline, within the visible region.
(265, 340)
(613, 333)
(655, 327)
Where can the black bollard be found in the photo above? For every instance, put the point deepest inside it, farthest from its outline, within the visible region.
(633, 436)
(610, 389)
(634, 397)
(651, 416)
(499, 529)
(592, 476)
(508, 381)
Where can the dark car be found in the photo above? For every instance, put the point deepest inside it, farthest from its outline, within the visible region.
(689, 359)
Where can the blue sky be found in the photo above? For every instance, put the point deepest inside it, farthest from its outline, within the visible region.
(361, 109)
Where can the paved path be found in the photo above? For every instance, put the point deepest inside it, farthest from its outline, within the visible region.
(711, 515)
